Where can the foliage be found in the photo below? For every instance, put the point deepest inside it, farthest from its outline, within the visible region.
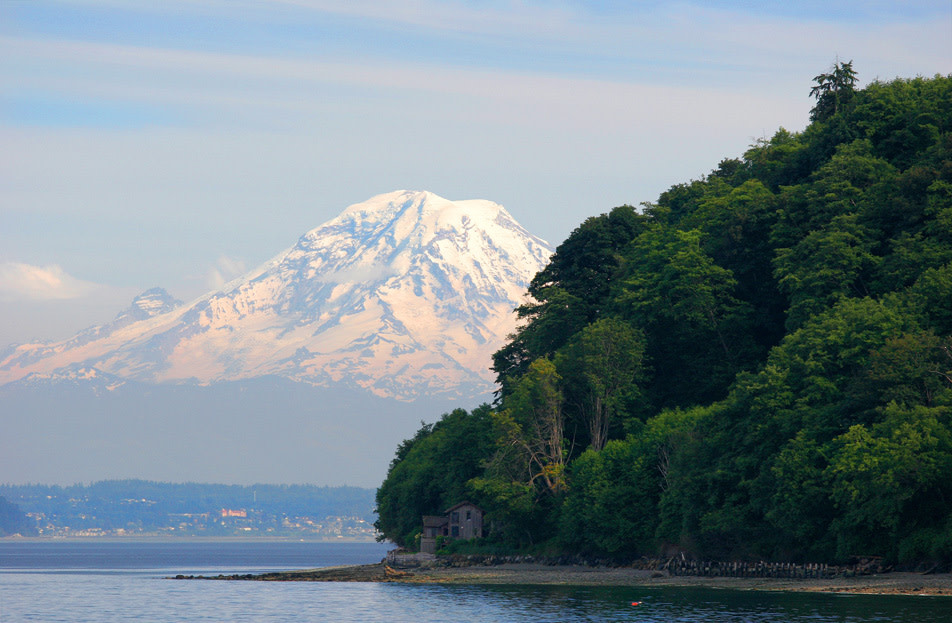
(833, 91)
(602, 366)
(531, 444)
(686, 305)
(758, 365)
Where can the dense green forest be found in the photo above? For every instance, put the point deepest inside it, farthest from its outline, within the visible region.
(756, 366)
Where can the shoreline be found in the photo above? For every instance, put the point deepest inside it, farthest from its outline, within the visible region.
(892, 583)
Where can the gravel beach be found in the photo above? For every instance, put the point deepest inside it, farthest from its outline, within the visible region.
(895, 583)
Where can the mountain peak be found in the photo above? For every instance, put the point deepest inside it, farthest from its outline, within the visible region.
(409, 209)
(152, 302)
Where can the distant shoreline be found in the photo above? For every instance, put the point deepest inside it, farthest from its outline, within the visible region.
(893, 583)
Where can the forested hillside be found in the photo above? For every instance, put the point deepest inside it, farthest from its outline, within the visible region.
(757, 365)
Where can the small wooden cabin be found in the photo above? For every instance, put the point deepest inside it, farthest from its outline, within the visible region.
(463, 521)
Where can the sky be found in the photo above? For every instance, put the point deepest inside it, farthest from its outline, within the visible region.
(179, 143)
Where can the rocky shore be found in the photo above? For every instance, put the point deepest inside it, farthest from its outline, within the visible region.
(438, 572)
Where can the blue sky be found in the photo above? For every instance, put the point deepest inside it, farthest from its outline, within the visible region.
(176, 143)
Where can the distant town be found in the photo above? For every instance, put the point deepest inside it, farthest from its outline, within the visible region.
(227, 522)
(106, 509)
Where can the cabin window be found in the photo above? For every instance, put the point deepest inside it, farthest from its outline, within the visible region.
(455, 530)
(455, 516)
(469, 515)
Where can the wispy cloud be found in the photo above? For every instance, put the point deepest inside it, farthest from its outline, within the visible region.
(41, 283)
(680, 45)
(268, 91)
(225, 269)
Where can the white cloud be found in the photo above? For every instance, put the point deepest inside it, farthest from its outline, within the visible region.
(41, 283)
(225, 269)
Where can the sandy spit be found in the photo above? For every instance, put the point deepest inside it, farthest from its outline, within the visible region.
(896, 583)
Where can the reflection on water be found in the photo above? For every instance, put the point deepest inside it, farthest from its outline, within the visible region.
(561, 603)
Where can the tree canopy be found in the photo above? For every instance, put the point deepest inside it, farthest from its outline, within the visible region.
(758, 365)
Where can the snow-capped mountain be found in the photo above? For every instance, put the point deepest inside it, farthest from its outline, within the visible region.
(406, 295)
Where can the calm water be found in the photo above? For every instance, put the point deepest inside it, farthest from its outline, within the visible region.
(94, 581)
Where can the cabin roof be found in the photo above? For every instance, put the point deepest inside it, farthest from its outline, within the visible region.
(453, 508)
(435, 521)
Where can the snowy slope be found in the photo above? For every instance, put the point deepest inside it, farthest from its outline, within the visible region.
(406, 295)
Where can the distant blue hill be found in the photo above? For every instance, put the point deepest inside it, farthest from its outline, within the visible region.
(140, 506)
